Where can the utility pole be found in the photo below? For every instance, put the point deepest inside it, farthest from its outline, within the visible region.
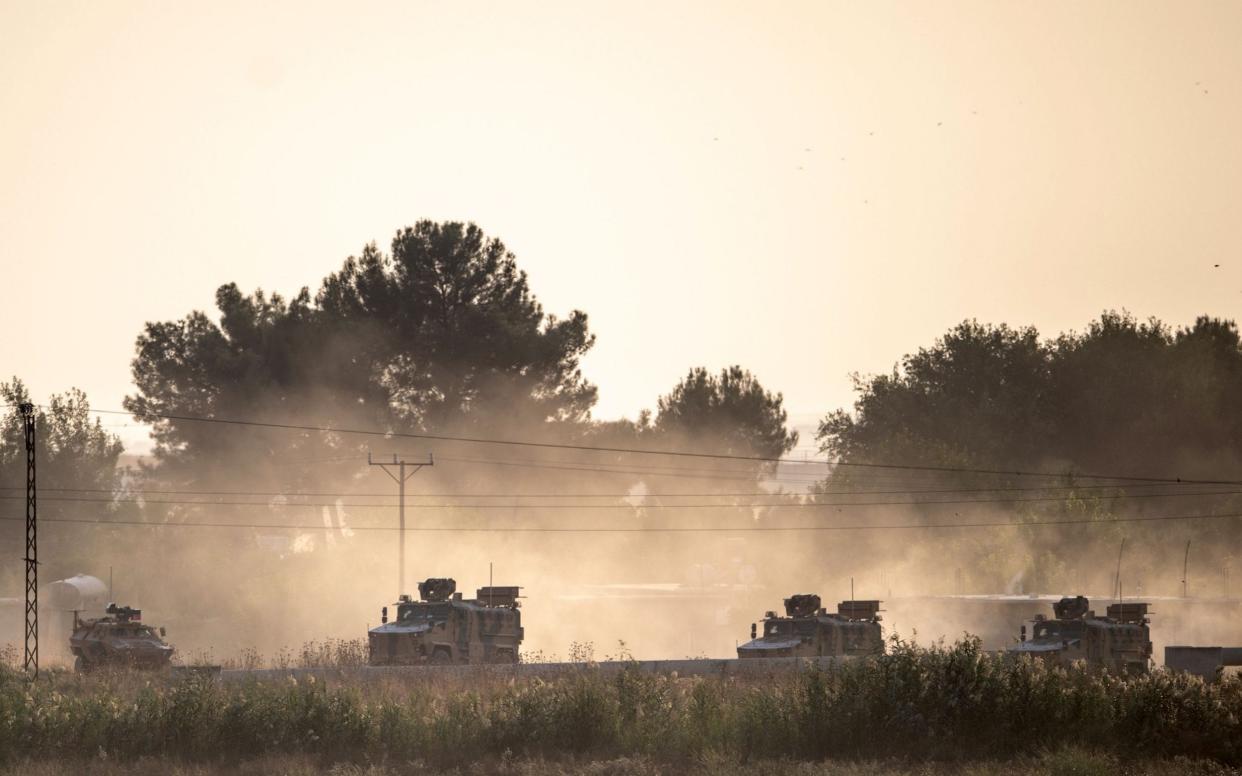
(31, 663)
(401, 477)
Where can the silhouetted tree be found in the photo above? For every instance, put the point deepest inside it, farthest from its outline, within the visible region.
(78, 478)
(74, 451)
(729, 414)
(466, 339)
(973, 397)
(443, 334)
(1122, 397)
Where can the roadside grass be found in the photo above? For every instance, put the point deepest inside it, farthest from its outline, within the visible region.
(944, 708)
(1066, 762)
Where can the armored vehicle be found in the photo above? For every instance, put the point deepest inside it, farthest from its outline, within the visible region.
(118, 639)
(807, 630)
(444, 628)
(1119, 641)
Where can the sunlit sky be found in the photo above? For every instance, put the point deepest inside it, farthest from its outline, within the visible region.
(806, 189)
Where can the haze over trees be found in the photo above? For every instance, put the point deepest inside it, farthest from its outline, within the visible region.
(75, 457)
(732, 414)
(1124, 398)
(441, 334)
(74, 451)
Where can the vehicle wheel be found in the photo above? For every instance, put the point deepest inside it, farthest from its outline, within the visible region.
(441, 657)
(79, 665)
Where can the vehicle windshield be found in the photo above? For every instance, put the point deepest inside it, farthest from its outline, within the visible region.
(1054, 629)
(778, 628)
(423, 613)
(133, 631)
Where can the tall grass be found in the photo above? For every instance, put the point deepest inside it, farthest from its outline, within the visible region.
(330, 653)
(943, 702)
(1064, 762)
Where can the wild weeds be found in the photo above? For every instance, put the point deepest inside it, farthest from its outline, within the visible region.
(333, 653)
(943, 702)
(330, 653)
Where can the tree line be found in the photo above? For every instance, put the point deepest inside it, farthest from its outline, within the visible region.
(443, 334)
(1138, 398)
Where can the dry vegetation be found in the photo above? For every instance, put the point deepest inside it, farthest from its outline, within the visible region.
(1059, 762)
(329, 653)
(943, 706)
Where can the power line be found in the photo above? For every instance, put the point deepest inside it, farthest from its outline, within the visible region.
(675, 472)
(714, 473)
(589, 507)
(724, 494)
(141, 415)
(639, 451)
(652, 529)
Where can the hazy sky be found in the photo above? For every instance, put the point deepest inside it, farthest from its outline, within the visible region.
(807, 189)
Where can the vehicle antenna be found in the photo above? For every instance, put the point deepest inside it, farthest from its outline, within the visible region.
(1185, 568)
(1117, 589)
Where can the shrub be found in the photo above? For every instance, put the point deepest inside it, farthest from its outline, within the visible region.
(942, 702)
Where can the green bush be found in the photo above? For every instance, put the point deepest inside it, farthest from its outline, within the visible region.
(943, 702)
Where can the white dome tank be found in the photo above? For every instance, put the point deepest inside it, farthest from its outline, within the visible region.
(81, 593)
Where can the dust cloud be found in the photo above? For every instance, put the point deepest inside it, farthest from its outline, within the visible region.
(618, 554)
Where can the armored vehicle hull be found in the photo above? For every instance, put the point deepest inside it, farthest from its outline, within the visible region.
(1118, 642)
(117, 640)
(806, 630)
(444, 628)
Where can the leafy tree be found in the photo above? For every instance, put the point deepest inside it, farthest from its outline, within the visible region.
(75, 458)
(1143, 399)
(467, 339)
(727, 414)
(1123, 396)
(74, 451)
(443, 334)
(971, 398)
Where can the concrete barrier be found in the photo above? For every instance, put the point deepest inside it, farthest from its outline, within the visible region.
(1205, 662)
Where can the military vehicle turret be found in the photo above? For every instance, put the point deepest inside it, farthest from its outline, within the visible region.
(118, 639)
(807, 630)
(1119, 641)
(444, 628)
